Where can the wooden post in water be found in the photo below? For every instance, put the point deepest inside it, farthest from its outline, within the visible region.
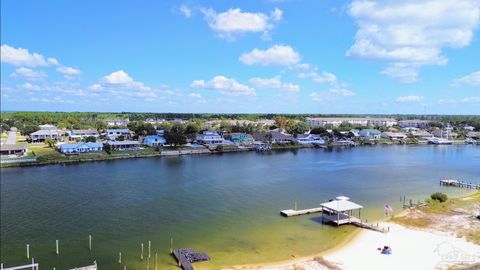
(171, 244)
(90, 242)
(403, 201)
(120, 257)
(56, 245)
(155, 260)
(148, 263)
(141, 255)
(28, 251)
(149, 248)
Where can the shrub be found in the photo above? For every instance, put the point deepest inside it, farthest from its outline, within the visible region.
(438, 196)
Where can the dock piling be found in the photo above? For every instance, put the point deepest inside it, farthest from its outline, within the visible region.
(120, 257)
(141, 255)
(28, 251)
(155, 260)
(56, 245)
(90, 242)
(171, 245)
(149, 248)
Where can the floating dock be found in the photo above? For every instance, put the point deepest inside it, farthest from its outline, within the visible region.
(186, 256)
(459, 184)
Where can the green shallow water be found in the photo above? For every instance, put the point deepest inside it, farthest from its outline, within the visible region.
(226, 205)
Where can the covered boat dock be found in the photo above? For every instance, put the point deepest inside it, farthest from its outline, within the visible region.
(340, 211)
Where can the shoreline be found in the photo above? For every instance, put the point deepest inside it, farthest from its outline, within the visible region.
(345, 255)
(181, 152)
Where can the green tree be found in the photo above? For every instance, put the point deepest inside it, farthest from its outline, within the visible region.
(438, 196)
(298, 128)
(89, 139)
(176, 135)
(50, 142)
(191, 131)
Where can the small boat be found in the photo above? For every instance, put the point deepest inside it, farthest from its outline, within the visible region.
(439, 141)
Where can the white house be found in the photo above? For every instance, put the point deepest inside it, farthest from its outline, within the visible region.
(393, 135)
(468, 128)
(82, 133)
(117, 122)
(43, 134)
(309, 139)
(369, 133)
(81, 147)
(209, 137)
(357, 121)
(113, 134)
(154, 140)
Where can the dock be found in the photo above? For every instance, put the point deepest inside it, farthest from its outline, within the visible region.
(90, 267)
(186, 256)
(292, 212)
(459, 184)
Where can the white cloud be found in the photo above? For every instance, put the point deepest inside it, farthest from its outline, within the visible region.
(233, 21)
(118, 77)
(324, 77)
(96, 86)
(274, 83)
(331, 94)
(473, 99)
(195, 95)
(278, 55)
(471, 79)
(225, 85)
(410, 34)
(68, 70)
(28, 74)
(29, 86)
(185, 10)
(410, 98)
(342, 92)
(22, 57)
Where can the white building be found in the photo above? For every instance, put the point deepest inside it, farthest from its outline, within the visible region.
(356, 121)
(82, 133)
(209, 137)
(117, 122)
(309, 139)
(393, 135)
(416, 123)
(82, 147)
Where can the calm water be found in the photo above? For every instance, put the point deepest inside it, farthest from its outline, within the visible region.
(226, 205)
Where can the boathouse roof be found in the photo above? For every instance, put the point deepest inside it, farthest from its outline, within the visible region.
(341, 205)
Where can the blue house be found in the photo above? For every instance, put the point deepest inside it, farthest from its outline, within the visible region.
(154, 140)
(370, 133)
(81, 147)
(240, 138)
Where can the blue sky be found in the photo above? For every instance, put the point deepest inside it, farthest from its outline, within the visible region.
(290, 56)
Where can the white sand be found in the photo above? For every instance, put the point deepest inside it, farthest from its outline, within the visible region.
(412, 249)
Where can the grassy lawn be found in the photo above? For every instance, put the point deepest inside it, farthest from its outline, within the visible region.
(145, 151)
(46, 154)
(179, 147)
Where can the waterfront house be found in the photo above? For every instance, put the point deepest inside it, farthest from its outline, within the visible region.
(154, 141)
(474, 135)
(82, 133)
(240, 138)
(416, 123)
(13, 150)
(393, 135)
(354, 133)
(43, 134)
(468, 128)
(117, 122)
(444, 133)
(420, 134)
(209, 137)
(273, 137)
(369, 133)
(113, 134)
(123, 145)
(81, 147)
(309, 139)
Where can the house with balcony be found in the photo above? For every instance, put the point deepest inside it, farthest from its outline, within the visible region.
(369, 133)
(209, 137)
(113, 134)
(154, 141)
(82, 133)
(44, 134)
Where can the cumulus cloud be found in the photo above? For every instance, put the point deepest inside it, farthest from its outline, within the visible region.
(118, 77)
(30, 87)
(68, 70)
(277, 55)
(225, 85)
(274, 83)
(22, 57)
(29, 74)
(410, 34)
(331, 94)
(471, 79)
(410, 99)
(234, 21)
(185, 10)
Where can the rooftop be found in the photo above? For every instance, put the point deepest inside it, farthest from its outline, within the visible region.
(341, 205)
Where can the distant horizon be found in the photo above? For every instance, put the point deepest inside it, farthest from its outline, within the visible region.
(240, 113)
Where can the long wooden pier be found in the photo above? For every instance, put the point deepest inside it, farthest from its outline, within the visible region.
(292, 212)
(459, 184)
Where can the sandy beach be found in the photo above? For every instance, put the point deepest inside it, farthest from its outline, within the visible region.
(412, 249)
